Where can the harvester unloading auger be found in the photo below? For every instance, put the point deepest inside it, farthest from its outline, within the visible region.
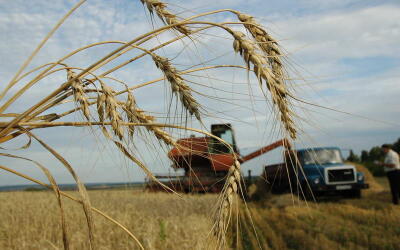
(206, 161)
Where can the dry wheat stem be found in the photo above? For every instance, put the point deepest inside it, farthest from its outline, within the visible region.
(155, 34)
(85, 124)
(153, 49)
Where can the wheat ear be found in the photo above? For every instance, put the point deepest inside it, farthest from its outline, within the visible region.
(252, 56)
(158, 132)
(79, 93)
(130, 106)
(266, 43)
(166, 16)
(223, 213)
(108, 108)
(178, 86)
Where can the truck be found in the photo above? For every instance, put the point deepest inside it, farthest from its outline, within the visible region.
(315, 172)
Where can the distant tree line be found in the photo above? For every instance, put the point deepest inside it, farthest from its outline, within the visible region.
(367, 158)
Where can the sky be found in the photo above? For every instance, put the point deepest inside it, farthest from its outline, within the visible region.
(344, 55)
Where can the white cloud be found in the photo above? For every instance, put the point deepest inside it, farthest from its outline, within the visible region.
(367, 32)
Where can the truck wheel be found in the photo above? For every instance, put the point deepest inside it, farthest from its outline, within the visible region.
(355, 193)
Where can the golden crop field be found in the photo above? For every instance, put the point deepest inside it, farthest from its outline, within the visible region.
(30, 220)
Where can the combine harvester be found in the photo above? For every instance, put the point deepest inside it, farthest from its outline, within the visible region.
(206, 161)
(309, 172)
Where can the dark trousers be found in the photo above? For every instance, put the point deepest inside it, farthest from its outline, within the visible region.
(394, 182)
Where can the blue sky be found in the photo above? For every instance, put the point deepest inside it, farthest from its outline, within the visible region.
(346, 51)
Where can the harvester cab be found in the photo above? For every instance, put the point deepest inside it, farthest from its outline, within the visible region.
(226, 133)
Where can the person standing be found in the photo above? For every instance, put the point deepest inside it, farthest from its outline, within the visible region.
(391, 166)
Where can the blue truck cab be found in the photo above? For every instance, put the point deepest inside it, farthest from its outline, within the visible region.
(326, 172)
(317, 171)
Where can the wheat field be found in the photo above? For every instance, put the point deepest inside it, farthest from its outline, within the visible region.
(28, 220)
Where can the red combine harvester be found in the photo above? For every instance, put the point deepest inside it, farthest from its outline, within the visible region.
(206, 161)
